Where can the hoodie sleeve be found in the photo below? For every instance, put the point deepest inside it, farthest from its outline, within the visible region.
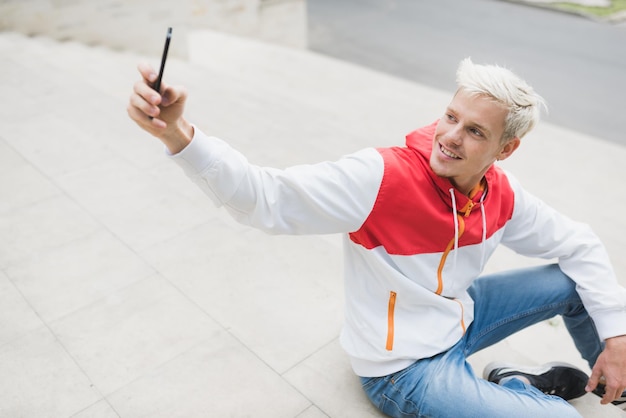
(328, 197)
(537, 230)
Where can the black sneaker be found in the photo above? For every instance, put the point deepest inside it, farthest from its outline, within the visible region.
(558, 379)
(619, 402)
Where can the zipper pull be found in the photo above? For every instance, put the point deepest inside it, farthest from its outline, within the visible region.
(470, 205)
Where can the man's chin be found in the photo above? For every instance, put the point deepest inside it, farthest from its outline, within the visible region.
(440, 171)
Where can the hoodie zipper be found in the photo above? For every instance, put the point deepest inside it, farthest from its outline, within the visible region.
(462, 314)
(390, 320)
(444, 257)
(465, 211)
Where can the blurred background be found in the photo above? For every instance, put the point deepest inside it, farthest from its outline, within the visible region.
(573, 54)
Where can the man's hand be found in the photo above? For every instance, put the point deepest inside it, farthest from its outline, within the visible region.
(160, 115)
(611, 368)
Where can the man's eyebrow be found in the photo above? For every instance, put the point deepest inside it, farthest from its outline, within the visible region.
(450, 109)
(482, 128)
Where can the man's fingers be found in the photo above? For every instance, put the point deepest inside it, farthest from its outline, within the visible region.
(147, 93)
(147, 72)
(610, 394)
(158, 124)
(173, 94)
(143, 106)
(153, 125)
(145, 115)
(594, 379)
(612, 391)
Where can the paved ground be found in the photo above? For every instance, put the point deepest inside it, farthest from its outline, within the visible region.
(123, 293)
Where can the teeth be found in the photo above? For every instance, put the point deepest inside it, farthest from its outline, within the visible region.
(448, 153)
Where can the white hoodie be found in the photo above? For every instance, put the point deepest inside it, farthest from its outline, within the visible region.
(413, 244)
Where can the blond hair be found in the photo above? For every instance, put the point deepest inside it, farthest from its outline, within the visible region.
(506, 88)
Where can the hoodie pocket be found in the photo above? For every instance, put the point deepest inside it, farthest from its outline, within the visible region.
(390, 320)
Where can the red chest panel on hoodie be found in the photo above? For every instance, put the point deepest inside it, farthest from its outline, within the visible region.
(413, 211)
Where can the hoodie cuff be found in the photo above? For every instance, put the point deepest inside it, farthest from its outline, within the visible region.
(610, 323)
(202, 154)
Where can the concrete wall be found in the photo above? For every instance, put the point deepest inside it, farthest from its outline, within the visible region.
(140, 25)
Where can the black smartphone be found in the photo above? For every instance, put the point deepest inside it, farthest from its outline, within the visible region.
(157, 83)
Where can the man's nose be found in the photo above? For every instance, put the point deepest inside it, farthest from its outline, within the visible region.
(455, 135)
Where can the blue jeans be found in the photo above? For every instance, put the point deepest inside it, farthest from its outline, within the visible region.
(445, 385)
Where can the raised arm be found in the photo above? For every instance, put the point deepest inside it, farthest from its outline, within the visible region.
(329, 197)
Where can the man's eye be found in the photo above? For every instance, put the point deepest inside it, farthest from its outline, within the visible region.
(451, 117)
(476, 132)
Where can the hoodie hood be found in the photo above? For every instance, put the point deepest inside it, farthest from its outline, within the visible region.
(418, 212)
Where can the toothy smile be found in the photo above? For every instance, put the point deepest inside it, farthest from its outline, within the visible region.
(449, 153)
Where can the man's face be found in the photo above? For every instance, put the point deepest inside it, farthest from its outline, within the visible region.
(468, 140)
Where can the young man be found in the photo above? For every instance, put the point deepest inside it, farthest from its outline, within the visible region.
(420, 222)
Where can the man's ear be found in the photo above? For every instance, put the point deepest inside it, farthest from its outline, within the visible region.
(509, 148)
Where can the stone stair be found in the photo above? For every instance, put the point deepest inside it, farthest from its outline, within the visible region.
(124, 293)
